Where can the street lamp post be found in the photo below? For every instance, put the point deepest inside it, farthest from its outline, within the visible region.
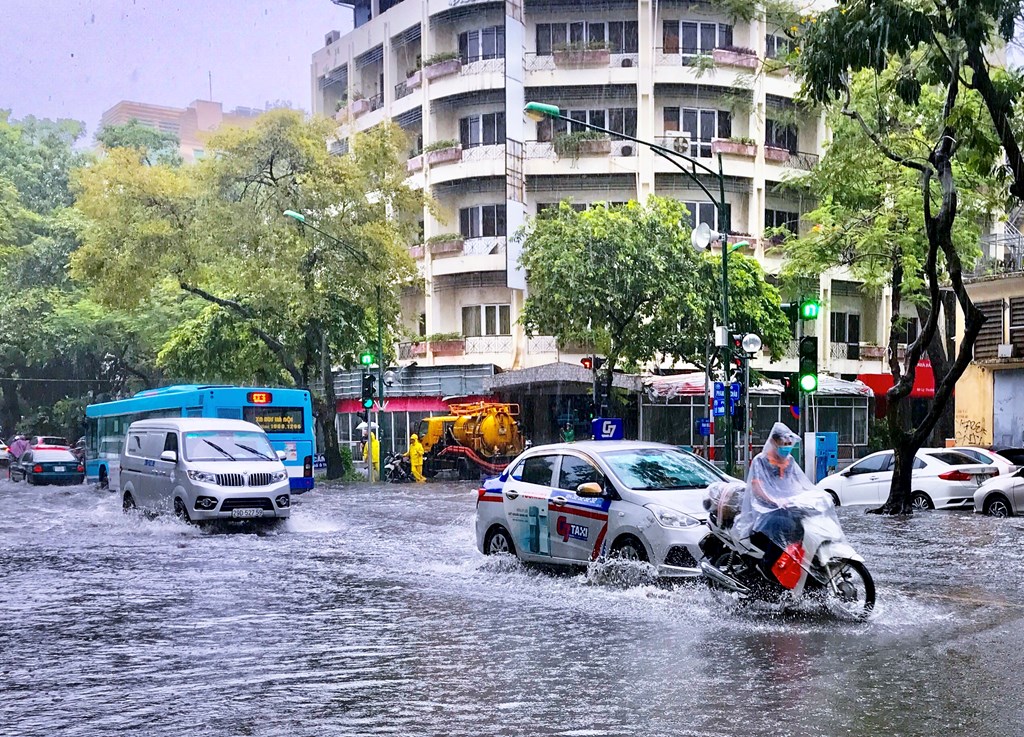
(538, 111)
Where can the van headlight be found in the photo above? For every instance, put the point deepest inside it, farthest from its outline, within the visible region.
(203, 477)
(278, 476)
(668, 517)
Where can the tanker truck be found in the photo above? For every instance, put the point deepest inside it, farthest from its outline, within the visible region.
(475, 438)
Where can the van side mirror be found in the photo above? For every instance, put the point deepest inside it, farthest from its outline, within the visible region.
(170, 456)
(589, 490)
(281, 455)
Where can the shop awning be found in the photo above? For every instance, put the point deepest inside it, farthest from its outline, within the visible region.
(688, 385)
(924, 383)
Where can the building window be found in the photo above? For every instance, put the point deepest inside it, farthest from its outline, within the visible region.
(777, 46)
(780, 135)
(700, 126)
(558, 36)
(690, 38)
(478, 320)
(706, 212)
(486, 43)
(623, 37)
(482, 221)
(482, 130)
(421, 325)
(619, 119)
(845, 327)
(782, 219)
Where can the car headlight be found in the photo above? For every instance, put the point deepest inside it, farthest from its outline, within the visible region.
(278, 476)
(668, 517)
(203, 477)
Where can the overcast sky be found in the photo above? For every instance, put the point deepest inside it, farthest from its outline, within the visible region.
(76, 58)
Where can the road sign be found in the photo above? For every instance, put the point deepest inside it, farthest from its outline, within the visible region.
(607, 428)
(718, 400)
(704, 427)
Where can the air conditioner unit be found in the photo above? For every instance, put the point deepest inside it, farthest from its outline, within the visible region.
(1005, 350)
(627, 150)
(627, 62)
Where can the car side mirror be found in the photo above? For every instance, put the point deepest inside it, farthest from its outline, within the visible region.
(847, 473)
(1020, 472)
(589, 490)
(170, 456)
(281, 455)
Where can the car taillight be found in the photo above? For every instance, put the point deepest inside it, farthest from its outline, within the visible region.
(37, 469)
(81, 469)
(480, 495)
(955, 476)
(307, 466)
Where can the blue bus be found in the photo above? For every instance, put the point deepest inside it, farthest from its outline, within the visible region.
(286, 415)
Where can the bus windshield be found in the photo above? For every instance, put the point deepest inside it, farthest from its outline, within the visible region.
(222, 445)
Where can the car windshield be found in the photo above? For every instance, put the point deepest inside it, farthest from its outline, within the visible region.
(660, 469)
(53, 456)
(221, 445)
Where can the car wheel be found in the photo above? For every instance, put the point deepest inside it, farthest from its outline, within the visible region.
(29, 480)
(998, 505)
(128, 502)
(181, 512)
(629, 548)
(921, 502)
(499, 542)
(835, 497)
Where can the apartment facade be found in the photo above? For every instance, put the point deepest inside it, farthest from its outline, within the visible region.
(456, 75)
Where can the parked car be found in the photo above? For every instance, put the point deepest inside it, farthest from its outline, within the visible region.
(5, 458)
(203, 469)
(989, 458)
(48, 465)
(942, 479)
(1002, 496)
(50, 440)
(1013, 455)
(570, 503)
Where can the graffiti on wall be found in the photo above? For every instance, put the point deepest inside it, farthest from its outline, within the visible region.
(972, 430)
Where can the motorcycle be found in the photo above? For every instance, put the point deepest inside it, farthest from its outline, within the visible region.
(822, 566)
(396, 469)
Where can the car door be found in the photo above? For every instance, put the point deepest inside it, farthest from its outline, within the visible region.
(525, 499)
(23, 464)
(575, 523)
(133, 467)
(161, 481)
(866, 479)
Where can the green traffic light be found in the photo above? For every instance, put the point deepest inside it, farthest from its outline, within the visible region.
(809, 309)
(368, 404)
(809, 382)
(366, 358)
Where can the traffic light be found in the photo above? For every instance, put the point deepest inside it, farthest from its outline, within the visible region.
(591, 363)
(809, 309)
(790, 393)
(369, 389)
(739, 420)
(366, 358)
(808, 357)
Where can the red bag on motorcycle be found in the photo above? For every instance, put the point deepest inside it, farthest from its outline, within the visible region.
(788, 567)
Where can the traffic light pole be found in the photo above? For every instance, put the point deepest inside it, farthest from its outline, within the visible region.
(723, 228)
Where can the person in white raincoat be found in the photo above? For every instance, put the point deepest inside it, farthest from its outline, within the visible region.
(776, 498)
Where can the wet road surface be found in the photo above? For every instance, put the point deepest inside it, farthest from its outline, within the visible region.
(371, 613)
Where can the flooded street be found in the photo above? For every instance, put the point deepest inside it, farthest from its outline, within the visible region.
(371, 612)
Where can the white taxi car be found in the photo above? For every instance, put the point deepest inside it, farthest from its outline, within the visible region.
(571, 503)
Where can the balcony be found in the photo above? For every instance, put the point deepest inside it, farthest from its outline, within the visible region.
(541, 344)
(376, 101)
(734, 56)
(584, 66)
(402, 89)
(488, 344)
(1002, 254)
(475, 162)
(469, 78)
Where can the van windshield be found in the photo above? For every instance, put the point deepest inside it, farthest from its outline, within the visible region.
(220, 445)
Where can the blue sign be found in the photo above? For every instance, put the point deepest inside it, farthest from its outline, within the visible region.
(607, 428)
(704, 427)
(718, 400)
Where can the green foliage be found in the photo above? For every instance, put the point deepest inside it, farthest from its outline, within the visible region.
(627, 280)
(445, 238)
(571, 144)
(442, 337)
(440, 57)
(581, 46)
(151, 145)
(441, 145)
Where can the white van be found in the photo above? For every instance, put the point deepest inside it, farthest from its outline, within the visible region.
(203, 469)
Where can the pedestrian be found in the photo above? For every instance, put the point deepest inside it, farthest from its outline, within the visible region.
(415, 455)
(371, 449)
(568, 433)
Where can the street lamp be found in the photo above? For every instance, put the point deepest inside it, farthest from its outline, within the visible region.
(538, 111)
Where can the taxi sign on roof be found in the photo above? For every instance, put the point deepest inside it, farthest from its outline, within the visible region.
(607, 428)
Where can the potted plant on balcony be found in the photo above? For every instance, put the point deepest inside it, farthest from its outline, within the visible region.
(415, 162)
(445, 244)
(736, 145)
(447, 344)
(735, 56)
(443, 152)
(576, 55)
(359, 104)
(442, 64)
(776, 154)
(582, 143)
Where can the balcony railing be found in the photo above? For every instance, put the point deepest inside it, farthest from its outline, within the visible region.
(376, 101)
(540, 344)
(489, 152)
(845, 351)
(801, 160)
(402, 90)
(483, 66)
(539, 150)
(1002, 253)
(483, 246)
(489, 344)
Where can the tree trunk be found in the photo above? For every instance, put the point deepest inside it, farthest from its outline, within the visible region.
(936, 349)
(328, 413)
(11, 408)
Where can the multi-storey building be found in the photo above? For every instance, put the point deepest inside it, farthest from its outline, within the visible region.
(191, 124)
(456, 75)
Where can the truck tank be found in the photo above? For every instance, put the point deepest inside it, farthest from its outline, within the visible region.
(490, 429)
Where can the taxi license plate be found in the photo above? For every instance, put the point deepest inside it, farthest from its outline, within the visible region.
(59, 469)
(246, 513)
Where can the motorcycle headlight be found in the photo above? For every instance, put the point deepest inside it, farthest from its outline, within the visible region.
(203, 477)
(668, 517)
(278, 476)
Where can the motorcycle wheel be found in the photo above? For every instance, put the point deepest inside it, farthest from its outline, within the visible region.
(849, 590)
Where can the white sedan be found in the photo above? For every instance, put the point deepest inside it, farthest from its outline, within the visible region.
(1002, 496)
(989, 458)
(942, 479)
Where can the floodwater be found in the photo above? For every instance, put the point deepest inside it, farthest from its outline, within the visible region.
(371, 612)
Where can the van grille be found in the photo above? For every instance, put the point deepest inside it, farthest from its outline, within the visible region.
(230, 479)
(259, 503)
(260, 479)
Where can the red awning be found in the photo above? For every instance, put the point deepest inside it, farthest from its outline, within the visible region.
(924, 382)
(409, 404)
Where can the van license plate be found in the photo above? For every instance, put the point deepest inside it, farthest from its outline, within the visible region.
(246, 512)
(59, 469)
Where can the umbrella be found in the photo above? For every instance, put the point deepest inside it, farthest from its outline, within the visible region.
(362, 426)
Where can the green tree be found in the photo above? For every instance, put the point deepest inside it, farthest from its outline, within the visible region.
(153, 146)
(881, 66)
(626, 280)
(217, 232)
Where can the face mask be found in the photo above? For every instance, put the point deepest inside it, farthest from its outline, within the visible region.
(785, 450)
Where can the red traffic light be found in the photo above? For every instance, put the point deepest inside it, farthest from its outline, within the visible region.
(588, 363)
